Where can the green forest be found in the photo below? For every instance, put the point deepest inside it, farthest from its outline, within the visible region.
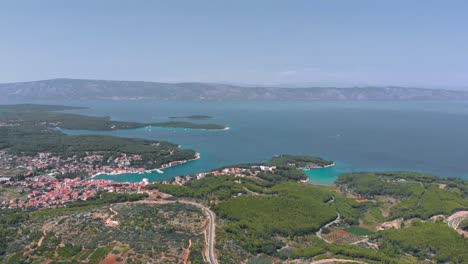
(272, 210)
(419, 194)
(25, 141)
(299, 161)
(425, 241)
(29, 129)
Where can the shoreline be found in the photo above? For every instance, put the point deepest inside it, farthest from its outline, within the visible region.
(185, 128)
(160, 170)
(324, 167)
(330, 165)
(317, 176)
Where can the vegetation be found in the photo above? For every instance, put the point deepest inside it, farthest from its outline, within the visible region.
(363, 183)
(31, 141)
(10, 221)
(196, 117)
(102, 198)
(464, 225)
(425, 241)
(145, 232)
(358, 231)
(317, 248)
(371, 184)
(43, 116)
(290, 210)
(432, 201)
(181, 124)
(257, 215)
(265, 213)
(299, 161)
(420, 195)
(282, 174)
(208, 188)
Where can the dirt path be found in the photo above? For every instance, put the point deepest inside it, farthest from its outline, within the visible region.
(250, 192)
(109, 221)
(44, 233)
(210, 251)
(186, 255)
(113, 211)
(319, 233)
(45, 229)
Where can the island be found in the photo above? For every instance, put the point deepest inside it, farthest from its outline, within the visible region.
(49, 116)
(195, 117)
(188, 125)
(260, 213)
(301, 162)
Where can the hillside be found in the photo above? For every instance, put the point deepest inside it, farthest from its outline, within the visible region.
(136, 90)
(259, 214)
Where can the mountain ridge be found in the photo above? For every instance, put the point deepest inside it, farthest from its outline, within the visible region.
(64, 88)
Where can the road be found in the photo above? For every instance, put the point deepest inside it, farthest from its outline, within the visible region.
(451, 223)
(211, 256)
(319, 233)
(211, 230)
(456, 219)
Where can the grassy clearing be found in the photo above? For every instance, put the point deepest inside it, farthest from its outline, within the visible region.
(358, 231)
(100, 253)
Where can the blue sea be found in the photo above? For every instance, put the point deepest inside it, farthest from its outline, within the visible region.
(430, 137)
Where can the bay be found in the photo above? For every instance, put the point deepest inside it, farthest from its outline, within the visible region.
(430, 137)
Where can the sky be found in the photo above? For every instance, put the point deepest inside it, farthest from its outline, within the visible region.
(321, 42)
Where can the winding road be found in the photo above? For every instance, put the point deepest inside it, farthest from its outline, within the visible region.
(210, 254)
(456, 219)
(319, 233)
(211, 230)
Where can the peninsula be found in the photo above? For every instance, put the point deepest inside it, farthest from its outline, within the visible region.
(47, 116)
(195, 117)
(29, 144)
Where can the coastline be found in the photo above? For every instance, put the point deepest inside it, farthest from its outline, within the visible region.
(319, 167)
(324, 176)
(159, 170)
(330, 165)
(185, 128)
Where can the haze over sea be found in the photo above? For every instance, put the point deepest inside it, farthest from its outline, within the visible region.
(429, 137)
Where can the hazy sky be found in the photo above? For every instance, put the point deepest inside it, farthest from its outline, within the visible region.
(346, 42)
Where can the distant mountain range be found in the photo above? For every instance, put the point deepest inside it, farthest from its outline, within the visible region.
(78, 89)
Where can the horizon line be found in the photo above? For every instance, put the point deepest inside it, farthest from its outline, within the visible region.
(293, 85)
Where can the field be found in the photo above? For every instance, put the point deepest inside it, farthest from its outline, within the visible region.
(130, 233)
(358, 231)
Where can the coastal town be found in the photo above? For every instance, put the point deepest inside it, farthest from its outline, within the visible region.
(46, 191)
(88, 165)
(49, 181)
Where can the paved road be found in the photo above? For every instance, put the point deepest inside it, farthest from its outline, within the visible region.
(456, 221)
(211, 230)
(451, 223)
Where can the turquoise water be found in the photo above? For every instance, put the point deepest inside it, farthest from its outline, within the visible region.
(427, 137)
(324, 176)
